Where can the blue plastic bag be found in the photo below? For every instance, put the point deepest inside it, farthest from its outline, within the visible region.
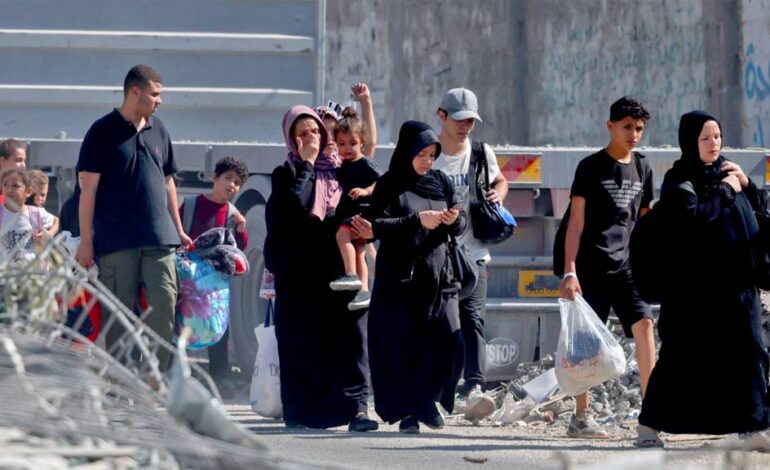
(507, 216)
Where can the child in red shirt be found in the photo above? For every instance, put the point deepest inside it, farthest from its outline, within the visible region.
(211, 210)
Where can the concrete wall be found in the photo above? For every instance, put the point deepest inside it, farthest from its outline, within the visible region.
(546, 71)
(756, 73)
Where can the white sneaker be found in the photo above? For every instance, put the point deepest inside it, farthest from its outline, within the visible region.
(583, 426)
(480, 405)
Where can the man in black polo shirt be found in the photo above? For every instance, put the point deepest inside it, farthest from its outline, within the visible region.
(129, 217)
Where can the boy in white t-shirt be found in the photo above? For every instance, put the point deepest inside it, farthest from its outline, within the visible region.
(21, 226)
(458, 114)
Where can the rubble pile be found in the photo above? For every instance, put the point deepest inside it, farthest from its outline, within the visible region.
(613, 402)
(619, 399)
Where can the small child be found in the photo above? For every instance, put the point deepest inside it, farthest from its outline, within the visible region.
(330, 114)
(21, 226)
(206, 211)
(357, 176)
(39, 184)
(13, 153)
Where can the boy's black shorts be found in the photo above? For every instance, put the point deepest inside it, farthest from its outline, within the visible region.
(615, 290)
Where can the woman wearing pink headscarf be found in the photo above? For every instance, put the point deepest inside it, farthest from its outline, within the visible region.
(320, 342)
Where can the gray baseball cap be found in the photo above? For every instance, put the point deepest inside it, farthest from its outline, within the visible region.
(461, 103)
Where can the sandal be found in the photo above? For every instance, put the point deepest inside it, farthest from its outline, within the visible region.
(756, 441)
(647, 437)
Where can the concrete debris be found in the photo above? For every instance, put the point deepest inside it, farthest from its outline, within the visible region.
(21, 450)
(614, 402)
(69, 403)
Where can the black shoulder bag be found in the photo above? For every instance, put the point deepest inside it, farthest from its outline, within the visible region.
(487, 221)
(466, 274)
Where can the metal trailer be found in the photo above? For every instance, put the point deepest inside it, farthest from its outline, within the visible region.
(233, 68)
(522, 313)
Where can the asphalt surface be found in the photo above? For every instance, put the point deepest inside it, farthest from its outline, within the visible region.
(460, 445)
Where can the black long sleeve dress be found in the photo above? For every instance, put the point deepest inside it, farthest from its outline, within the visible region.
(320, 342)
(416, 350)
(711, 376)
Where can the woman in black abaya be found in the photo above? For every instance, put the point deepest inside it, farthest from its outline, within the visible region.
(711, 377)
(415, 343)
(320, 343)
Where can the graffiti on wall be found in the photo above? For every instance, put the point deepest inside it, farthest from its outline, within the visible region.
(546, 72)
(756, 89)
(656, 56)
(756, 73)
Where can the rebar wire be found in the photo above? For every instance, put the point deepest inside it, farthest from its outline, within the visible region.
(44, 287)
(56, 383)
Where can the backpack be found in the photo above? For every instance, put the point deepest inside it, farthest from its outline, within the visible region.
(648, 251)
(642, 167)
(189, 213)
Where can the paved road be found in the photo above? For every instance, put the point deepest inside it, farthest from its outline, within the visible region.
(541, 447)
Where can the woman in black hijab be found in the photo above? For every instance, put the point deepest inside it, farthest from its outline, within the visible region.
(415, 344)
(711, 377)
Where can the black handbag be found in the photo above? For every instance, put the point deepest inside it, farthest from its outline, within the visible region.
(466, 273)
(489, 223)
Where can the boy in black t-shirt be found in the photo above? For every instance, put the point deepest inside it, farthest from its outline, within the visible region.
(609, 193)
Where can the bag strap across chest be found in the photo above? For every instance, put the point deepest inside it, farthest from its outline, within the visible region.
(478, 164)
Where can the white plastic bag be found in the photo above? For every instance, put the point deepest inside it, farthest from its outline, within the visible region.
(588, 353)
(265, 393)
(511, 410)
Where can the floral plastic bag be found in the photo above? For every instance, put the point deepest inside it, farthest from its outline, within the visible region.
(203, 302)
(588, 353)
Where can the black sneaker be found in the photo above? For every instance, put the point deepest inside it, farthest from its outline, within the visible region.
(362, 423)
(349, 281)
(431, 417)
(409, 425)
(361, 301)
